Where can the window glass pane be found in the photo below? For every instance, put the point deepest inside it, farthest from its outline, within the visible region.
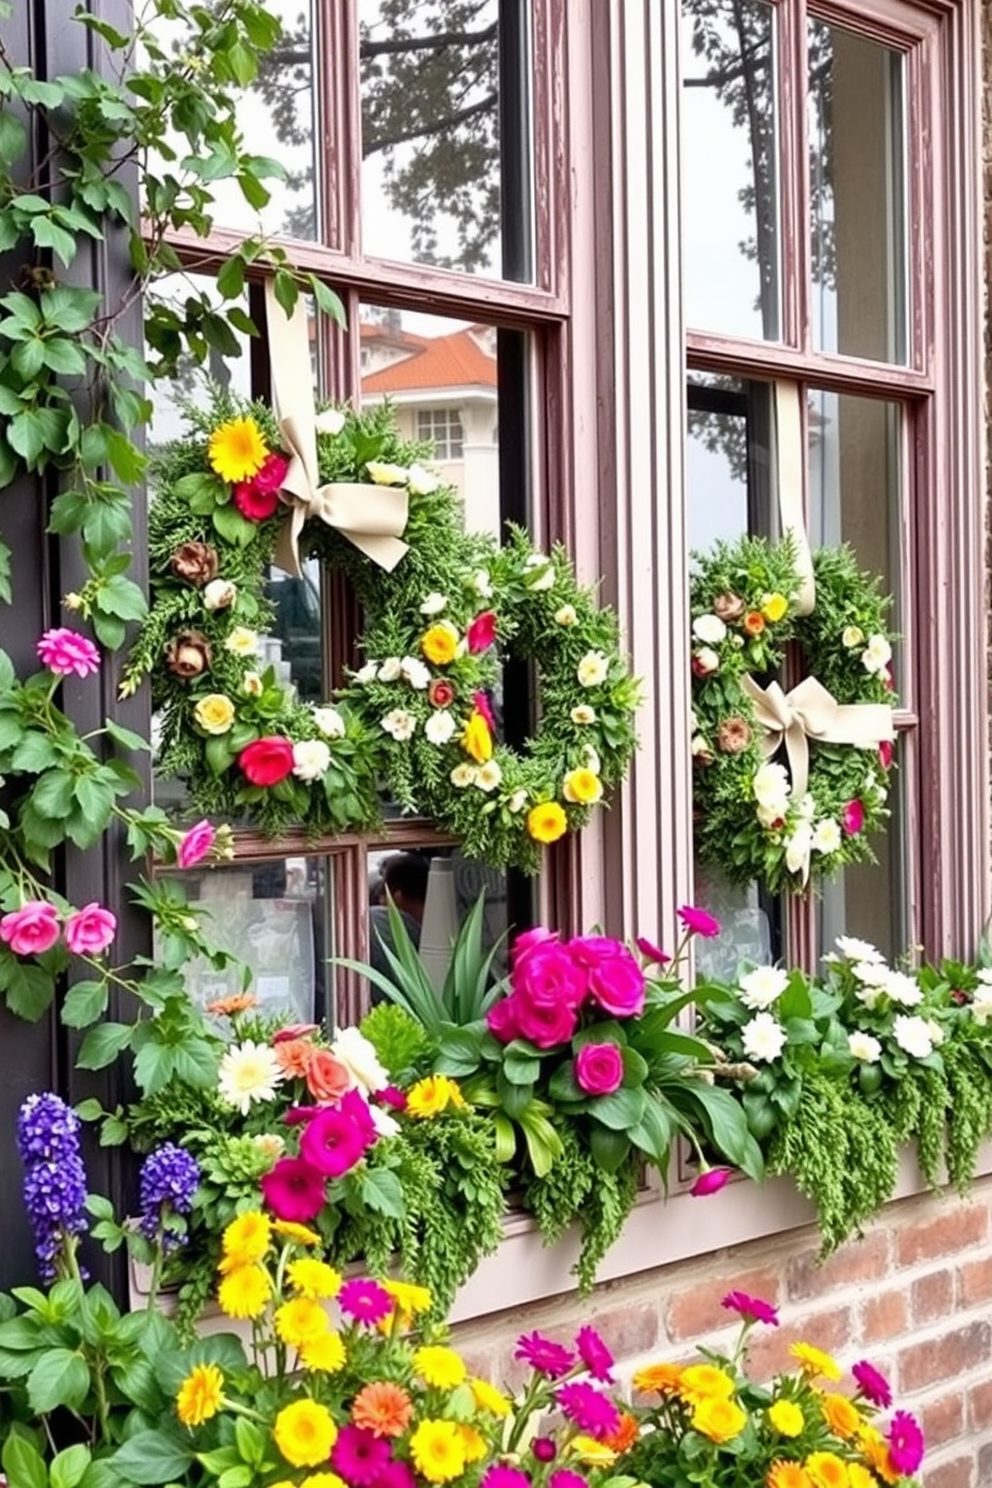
(729, 176)
(446, 134)
(870, 900)
(854, 469)
(857, 195)
(272, 916)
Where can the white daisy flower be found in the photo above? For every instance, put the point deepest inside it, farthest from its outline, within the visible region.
(763, 986)
(248, 1072)
(763, 1038)
(440, 726)
(913, 1035)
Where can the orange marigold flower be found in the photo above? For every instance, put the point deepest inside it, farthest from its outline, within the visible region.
(241, 1002)
(293, 1057)
(826, 1470)
(787, 1475)
(841, 1415)
(875, 1450)
(626, 1434)
(753, 622)
(383, 1408)
(658, 1379)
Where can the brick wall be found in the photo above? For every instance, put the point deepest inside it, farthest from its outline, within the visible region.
(914, 1296)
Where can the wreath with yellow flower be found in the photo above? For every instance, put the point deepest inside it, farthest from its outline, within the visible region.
(788, 786)
(419, 723)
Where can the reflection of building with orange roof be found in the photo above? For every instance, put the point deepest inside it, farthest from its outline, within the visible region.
(443, 388)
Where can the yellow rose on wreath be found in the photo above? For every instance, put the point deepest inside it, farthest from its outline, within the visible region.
(477, 739)
(547, 822)
(214, 713)
(774, 607)
(582, 786)
(440, 643)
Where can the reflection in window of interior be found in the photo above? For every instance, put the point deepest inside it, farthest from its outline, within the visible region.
(871, 900)
(443, 427)
(447, 138)
(857, 194)
(729, 178)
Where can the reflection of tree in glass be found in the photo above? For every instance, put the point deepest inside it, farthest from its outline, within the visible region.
(720, 434)
(430, 96)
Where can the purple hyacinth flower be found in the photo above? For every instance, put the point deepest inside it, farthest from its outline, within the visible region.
(54, 1177)
(169, 1177)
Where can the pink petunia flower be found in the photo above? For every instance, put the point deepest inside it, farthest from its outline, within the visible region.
(195, 844)
(905, 1443)
(754, 1309)
(66, 653)
(544, 1355)
(333, 1142)
(872, 1384)
(32, 929)
(594, 1354)
(501, 1476)
(396, 1474)
(651, 952)
(698, 921)
(392, 1096)
(564, 1478)
(481, 633)
(365, 1301)
(593, 1412)
(293, 1190)
(90, 930)
(359, 1456)
(710, 1181)
(272, 474)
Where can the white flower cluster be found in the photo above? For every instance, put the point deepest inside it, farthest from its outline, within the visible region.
(912, 1033)
(876, 653)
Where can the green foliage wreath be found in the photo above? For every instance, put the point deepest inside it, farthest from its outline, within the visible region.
(418, 720)
(748, 824)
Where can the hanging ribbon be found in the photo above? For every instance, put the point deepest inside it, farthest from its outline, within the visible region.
(370, 516)
(790, 462)
(809, 711)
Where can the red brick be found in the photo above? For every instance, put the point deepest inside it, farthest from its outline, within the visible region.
(961, 1226)
(943, 1420)
(956, 1474)
(884, 1316)
(698, 1310)
(976, 1282)
(932, 1296)
(861, 1260)
(980, 1407)
(831, 1331)
(628, 1331)
(929, 1361)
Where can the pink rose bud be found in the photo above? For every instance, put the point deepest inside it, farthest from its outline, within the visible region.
(710, 1181)
(195, 845)
(31, 930)
(854, 818)
(482, 632)
(90, 930)
(886, 751)
(599, 1068)
(698, 921)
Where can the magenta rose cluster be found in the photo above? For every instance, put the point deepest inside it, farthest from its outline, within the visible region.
(37, 926)
(553, 982)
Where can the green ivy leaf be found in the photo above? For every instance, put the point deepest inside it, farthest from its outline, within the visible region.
(48, 234)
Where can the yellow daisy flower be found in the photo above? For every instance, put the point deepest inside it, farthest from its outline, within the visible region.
(290, 1230)
(323, 1480)
(312, 1278)
(301, 1321)
(245, 1292)
(488, 1398)
(439, 1366)
(814, 1361)
(474, 1443)
(773, 607)
(438, 1451)
(409, 1298)
(432, 1095)
(826, 1470)
(590, 1452)
(237, 450)
(719, 1418)
(582, 786)
(841, 1415)
(440, 643)
(704, 1382)
(547, 822)
(325, 1354)
(477, 739)
(305, 1433)
(246, 1240)
(200, 1395)
(786, 1418)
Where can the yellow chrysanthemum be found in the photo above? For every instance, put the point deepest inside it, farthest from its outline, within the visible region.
(582, 786)
(323, 1480)
(488, 1398)
(719, 1418)
(786, 1418)
(245, 1292)
(474, 1443)
(787, 1475)
(590, 1452)
(246, 1240)
(814, 1361)
(547, 822)
(305, 1433)
(324, 1355)
(773, 607)
(705, 1382)
(860, 1477)
(439, 1366)
(477, 739)
(658, 1379)
(875, 1450)
(440, 643)
(301, 1321)
(826, 1470)
(200, 1395)
(438, 1451)
(237, 450)
(214, 713)
(410, 1299)
(432, 1095)
(312, 1278)
(290, 1230)
(841, 1415)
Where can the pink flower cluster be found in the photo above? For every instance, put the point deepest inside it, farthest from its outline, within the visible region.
(36, 927)
(552, 981)
(335, 1138)
(258, 498)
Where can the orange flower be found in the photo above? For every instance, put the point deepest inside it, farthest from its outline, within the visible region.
(753, 622)
(659, 1379)
(293, 1057)
(876, 1453)
(787, 1475)
(223, 1007)
(383, 1408)
(841, 1416)
(327, 1078)
(826, 1470)
(626, 1434)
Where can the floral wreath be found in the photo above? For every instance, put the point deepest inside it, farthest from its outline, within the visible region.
(785, 825)
(419, 716)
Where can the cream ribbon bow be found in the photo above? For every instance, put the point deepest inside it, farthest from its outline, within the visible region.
(370, 516)
(809, 711)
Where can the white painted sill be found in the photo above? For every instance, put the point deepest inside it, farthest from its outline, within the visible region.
(658, 1232)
